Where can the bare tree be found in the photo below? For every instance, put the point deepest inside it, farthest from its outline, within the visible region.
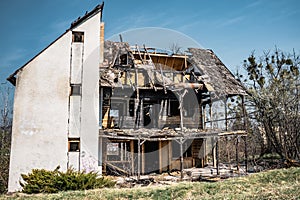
(175, 48)
(5, 134)
(273, 82)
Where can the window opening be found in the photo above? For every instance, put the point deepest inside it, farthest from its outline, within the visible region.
(77, 36)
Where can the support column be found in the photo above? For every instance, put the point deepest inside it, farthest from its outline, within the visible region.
(217, 156)
(160, 156)
(237, 154)
(181, 160)
(132, 156)
(143, 158)
(139, 159)
(214, 154)
(204, 155)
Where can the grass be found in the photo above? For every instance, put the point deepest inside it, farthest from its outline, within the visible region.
(274, 184)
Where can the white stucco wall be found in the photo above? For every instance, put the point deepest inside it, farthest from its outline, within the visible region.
(40, 120)
(90, 94)
(41, 107)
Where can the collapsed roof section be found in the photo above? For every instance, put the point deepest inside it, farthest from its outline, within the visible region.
(199, 68)
(222, 80)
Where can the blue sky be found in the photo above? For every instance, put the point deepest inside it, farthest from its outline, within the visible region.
(232, 28)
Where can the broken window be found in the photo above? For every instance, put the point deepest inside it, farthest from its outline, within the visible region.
(75, 90)
(131, 108)
(173, 108)
(118, 151)
(124, 59)
(74, 145)
(112, 149)
(77, 36)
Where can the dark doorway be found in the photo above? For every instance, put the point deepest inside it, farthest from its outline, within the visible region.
(151, 157)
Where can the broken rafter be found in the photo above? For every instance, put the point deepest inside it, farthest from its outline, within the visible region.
(117, 169)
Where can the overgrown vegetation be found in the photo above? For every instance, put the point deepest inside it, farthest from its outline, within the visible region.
(274, 184)
(273, 82)
(44, 181)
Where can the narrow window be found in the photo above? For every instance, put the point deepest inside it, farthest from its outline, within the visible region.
(124, 59)
(75, 90)
(74, 145)
(77, 36)
(131, 108)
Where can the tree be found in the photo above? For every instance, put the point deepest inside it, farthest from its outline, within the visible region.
(175, 48)
(5, 134)
(274, 87)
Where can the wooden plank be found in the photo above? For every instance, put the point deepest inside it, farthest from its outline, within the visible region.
(214, 157)
(132, 156)
(160, 156)
(139, 159)
(119, 170)
(143, 158)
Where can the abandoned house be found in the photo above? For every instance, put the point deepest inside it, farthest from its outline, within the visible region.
(106, 106)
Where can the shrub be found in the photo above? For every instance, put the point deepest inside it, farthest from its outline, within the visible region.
(44, 181)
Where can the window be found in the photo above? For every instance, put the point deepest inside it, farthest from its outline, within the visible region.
(75, 90)
(77, 36)
(124, 59)
(131, 108)
(173, 109)
(74, 144)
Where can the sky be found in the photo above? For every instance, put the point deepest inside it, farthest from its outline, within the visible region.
(233, 29)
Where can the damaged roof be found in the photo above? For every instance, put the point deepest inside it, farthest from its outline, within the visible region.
(112, 50)
(221, 79)
(213, 72)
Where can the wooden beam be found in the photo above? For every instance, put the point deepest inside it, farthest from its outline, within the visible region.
(143, 158)
(217, 156)
(181, 160)
(214, 156)
(237, 154)
(160, 156)
(132, 156)
(119, 170)
(139, 159)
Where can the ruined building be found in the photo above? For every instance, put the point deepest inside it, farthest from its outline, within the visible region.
(106, 106)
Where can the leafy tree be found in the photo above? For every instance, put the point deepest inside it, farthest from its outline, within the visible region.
(273, 83)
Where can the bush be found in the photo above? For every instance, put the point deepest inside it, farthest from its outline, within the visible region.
(44, 181)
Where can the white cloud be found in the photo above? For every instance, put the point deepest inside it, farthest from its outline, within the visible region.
(253, 4)
(231, 21)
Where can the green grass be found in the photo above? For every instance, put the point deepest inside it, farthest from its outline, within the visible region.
(274, 184)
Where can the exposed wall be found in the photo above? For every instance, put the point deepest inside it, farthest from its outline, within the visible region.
(90, 94)
(40, 122)
(45, 115)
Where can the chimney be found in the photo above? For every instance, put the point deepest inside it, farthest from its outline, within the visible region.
(101, 44)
